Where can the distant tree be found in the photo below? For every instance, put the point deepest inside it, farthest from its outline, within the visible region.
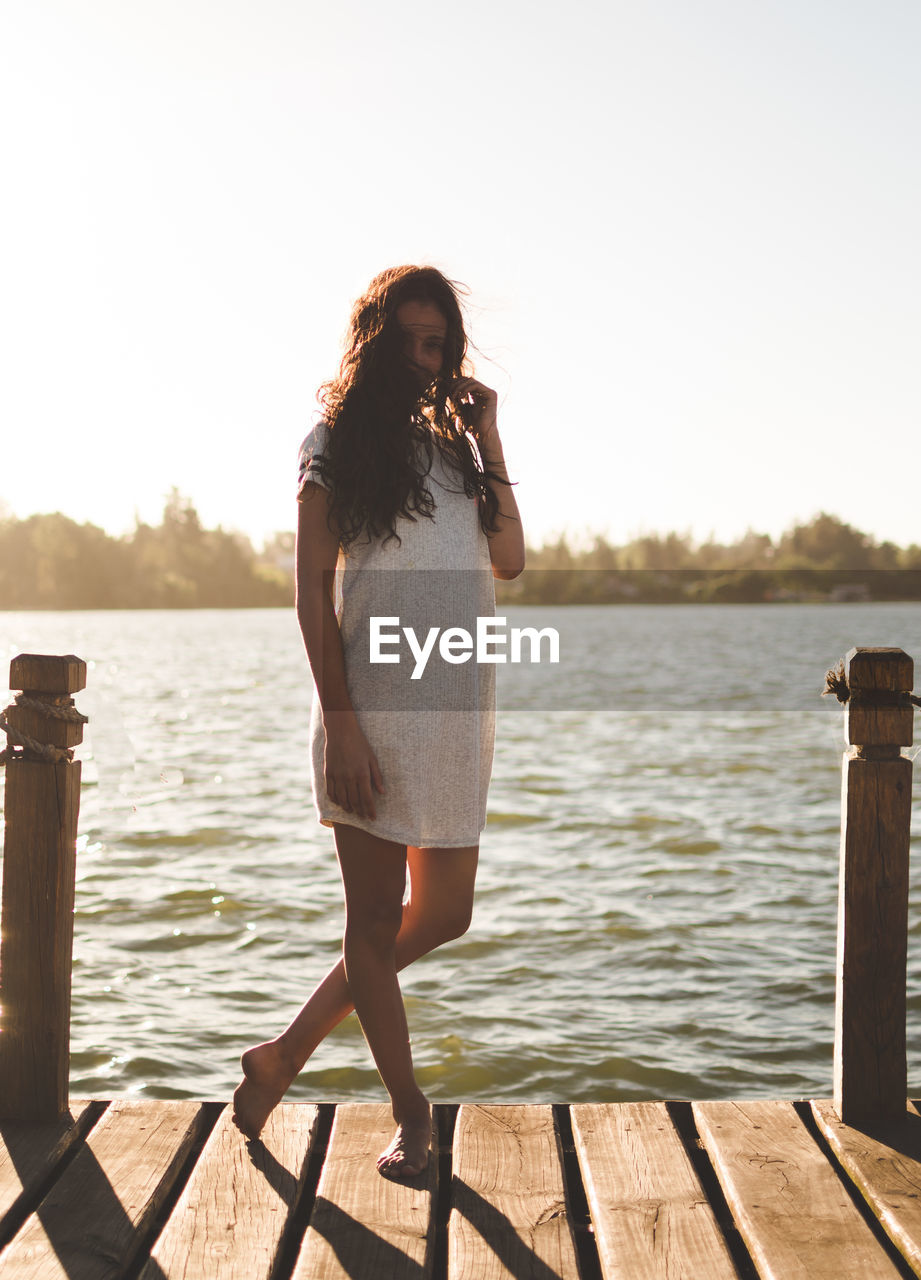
(278, 553)
(825, 543)
(652, 551)
(754, 551)
(886, 556)
(553, 555)
(602, 555)
(51, 562)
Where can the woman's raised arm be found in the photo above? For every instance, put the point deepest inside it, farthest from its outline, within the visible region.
(506, 545)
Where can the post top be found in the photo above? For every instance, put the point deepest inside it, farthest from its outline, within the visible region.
(869, 667)
(47, 673)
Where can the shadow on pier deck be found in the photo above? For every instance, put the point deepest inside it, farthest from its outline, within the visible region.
(703, 1191)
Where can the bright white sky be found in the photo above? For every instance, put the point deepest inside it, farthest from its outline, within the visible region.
(690, 232)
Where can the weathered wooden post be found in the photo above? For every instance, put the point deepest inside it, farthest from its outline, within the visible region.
(870, 1066)
(39, 867)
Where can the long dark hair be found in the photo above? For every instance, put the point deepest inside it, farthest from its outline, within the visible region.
(378, 417)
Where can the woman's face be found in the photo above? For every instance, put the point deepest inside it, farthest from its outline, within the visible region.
(424, 330)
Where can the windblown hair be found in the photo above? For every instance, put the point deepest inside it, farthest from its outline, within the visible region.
(378, 416)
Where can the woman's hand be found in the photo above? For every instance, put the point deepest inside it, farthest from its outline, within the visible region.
(350, 767)
(478, 405)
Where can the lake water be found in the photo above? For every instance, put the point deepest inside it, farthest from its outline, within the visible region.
(656, 904)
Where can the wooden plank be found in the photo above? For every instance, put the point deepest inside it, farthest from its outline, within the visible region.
(91, 1224)
(231, 1215)
(363, 1224)
(650, 1213)
(790, 1206)
(508, 1213)
(885, 1166)
(29, 1153)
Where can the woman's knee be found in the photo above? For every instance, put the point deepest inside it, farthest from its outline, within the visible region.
(457, 921)
(375, 925)
(451, 922)
(441, 892)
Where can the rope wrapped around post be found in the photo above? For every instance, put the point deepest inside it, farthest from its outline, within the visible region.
(54, 710)
(41, 809)
(836, 682)
(870, 1067)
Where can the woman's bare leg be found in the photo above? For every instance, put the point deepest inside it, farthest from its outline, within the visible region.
(439, 907)
(374, 878)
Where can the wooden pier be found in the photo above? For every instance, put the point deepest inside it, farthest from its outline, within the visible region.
(776, 1190)
(696, 1191)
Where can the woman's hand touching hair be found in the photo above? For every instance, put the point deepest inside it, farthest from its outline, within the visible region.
(477, 407)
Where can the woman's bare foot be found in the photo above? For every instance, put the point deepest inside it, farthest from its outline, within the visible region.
(267, 1074)
(408, 1153)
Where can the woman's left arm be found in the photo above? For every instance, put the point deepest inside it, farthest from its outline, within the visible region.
(506, 545)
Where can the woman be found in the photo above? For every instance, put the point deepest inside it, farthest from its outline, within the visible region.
(391, 484)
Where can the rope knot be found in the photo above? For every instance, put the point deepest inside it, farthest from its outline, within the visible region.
(836, 683)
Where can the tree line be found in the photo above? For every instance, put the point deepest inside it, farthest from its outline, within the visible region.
(53, 562)
(822, 559)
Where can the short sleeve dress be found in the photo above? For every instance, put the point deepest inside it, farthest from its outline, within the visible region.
(431, 724)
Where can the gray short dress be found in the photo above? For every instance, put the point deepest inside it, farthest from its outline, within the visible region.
(433, 735)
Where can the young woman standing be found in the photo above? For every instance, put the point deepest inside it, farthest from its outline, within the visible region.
(405, 509)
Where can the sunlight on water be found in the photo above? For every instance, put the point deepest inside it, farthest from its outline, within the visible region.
(656, 901)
